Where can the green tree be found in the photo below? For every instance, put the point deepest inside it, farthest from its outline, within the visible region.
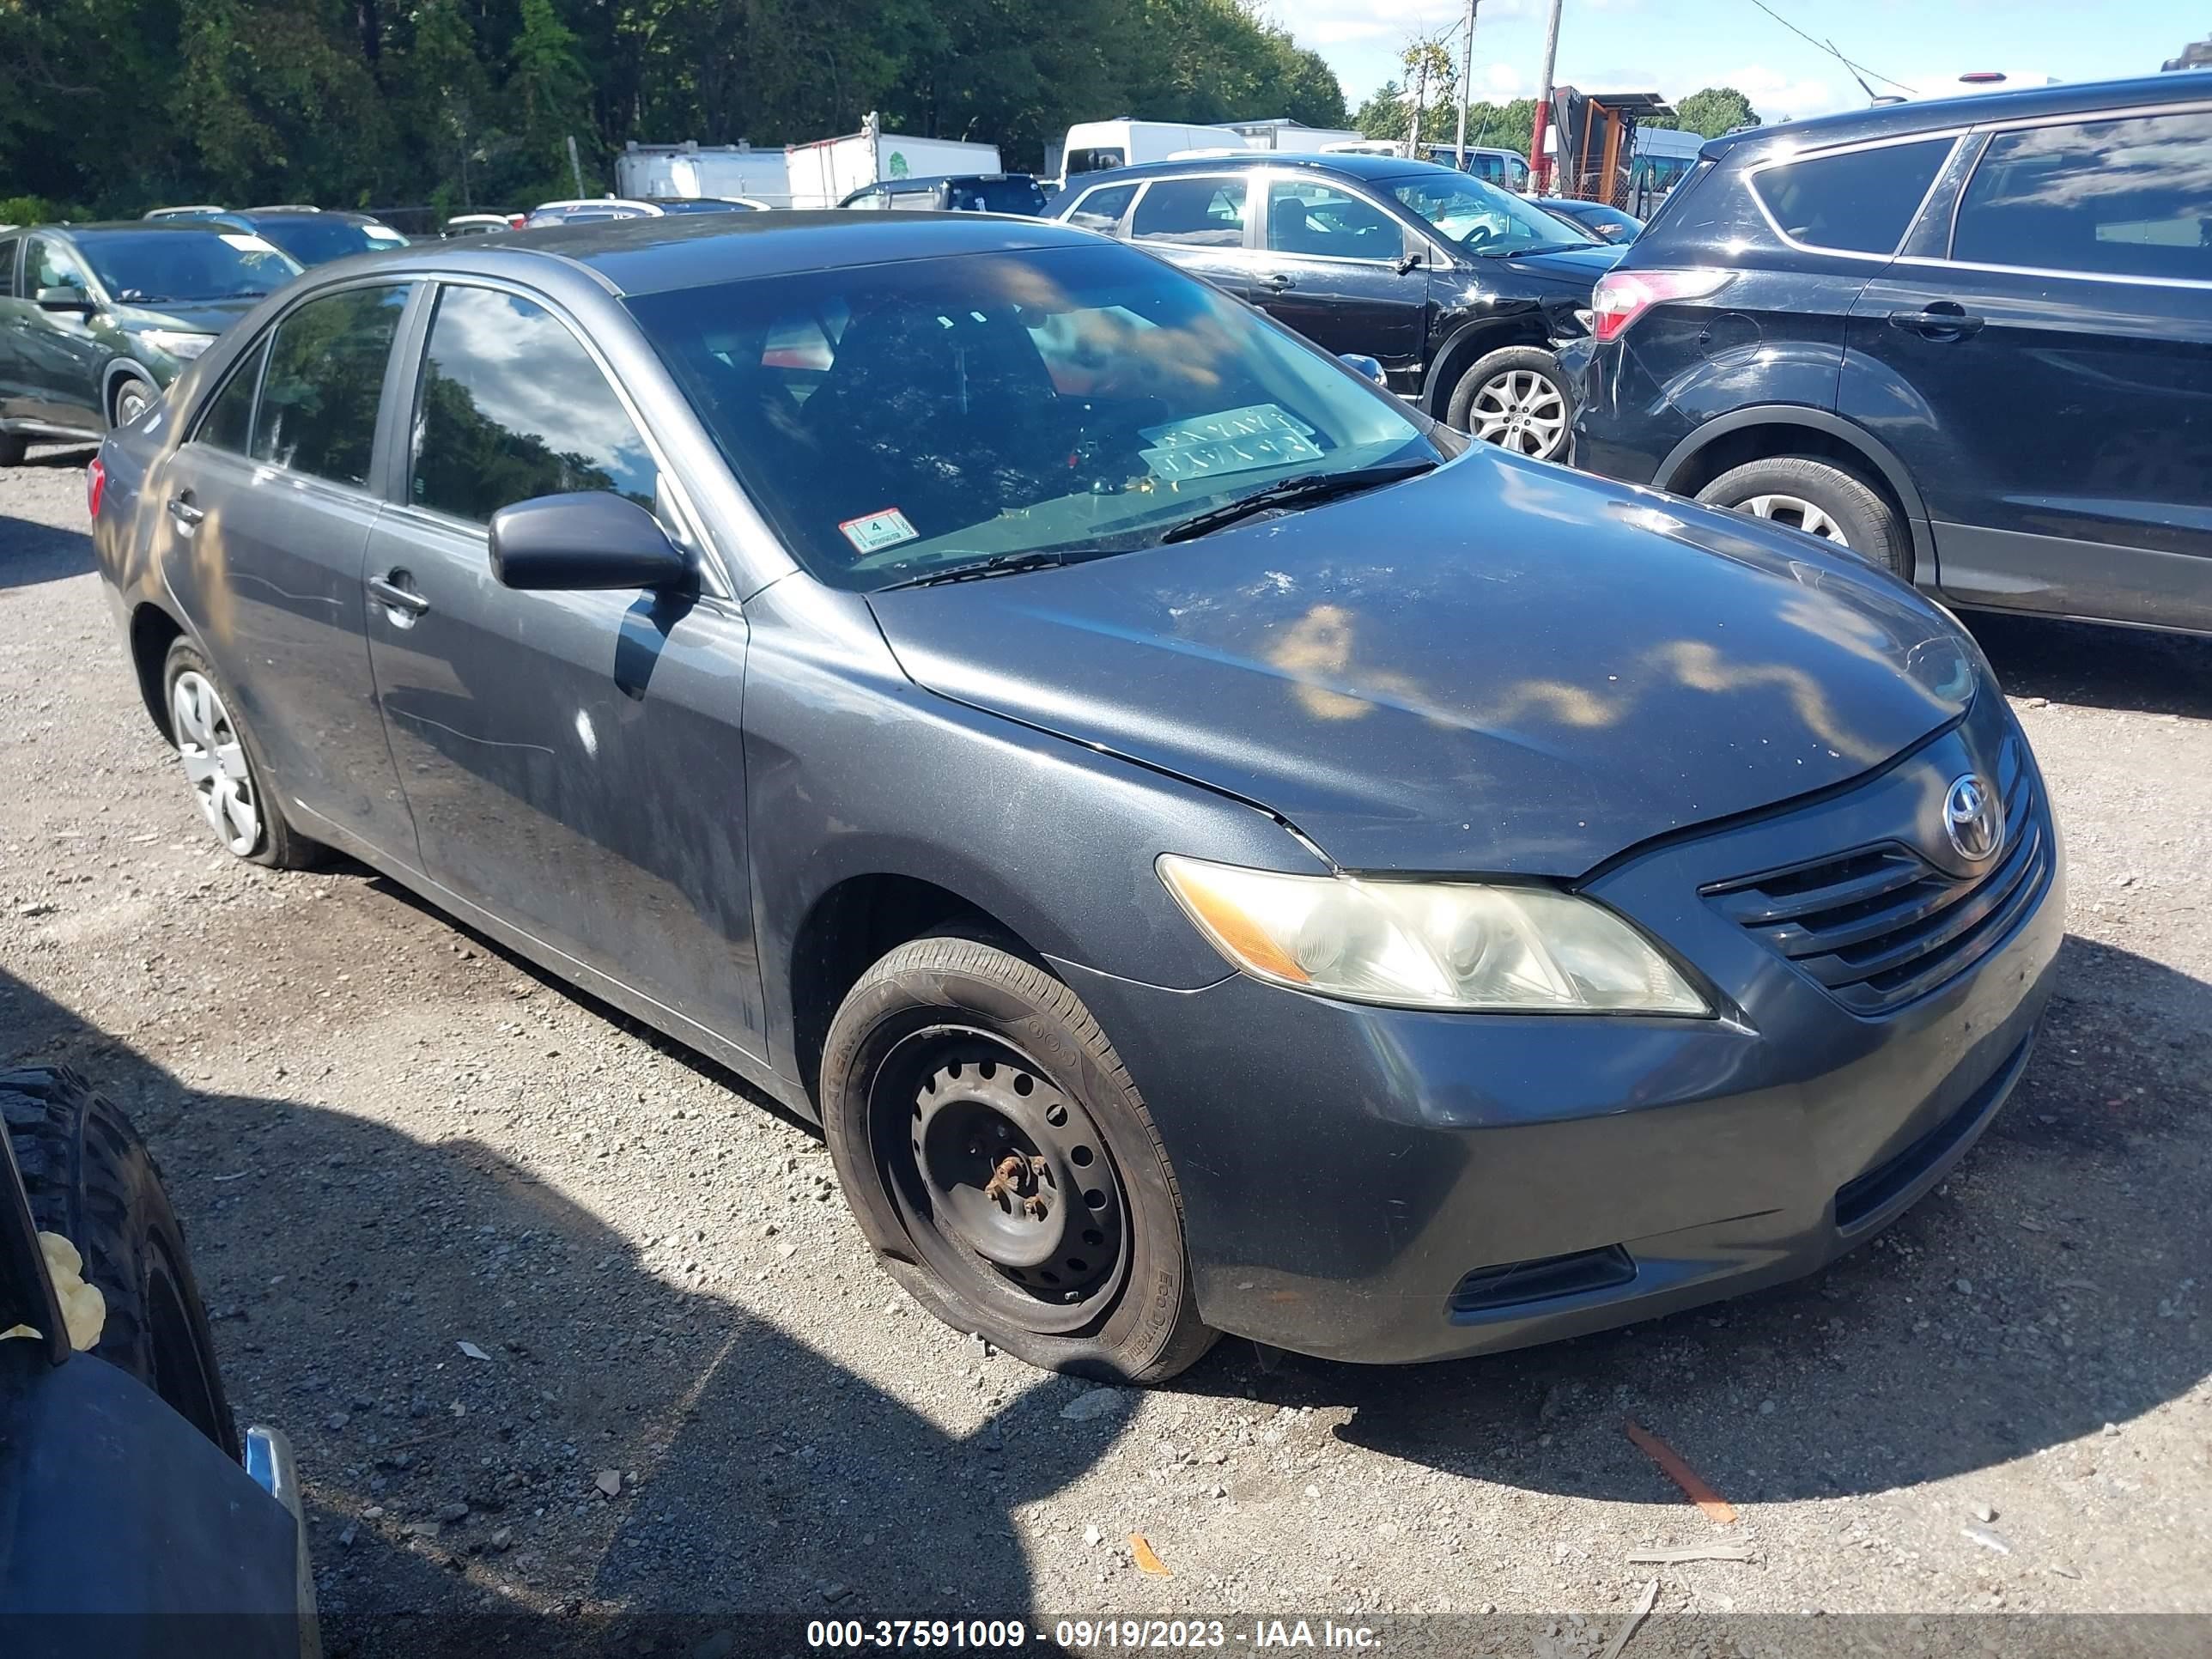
(547, 97)
(1713, 111)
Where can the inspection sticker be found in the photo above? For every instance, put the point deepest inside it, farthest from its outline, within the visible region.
(873, 531)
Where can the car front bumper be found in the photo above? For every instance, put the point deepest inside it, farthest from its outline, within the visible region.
(1388, 1185)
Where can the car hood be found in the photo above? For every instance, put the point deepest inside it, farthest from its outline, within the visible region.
(187, 316)
(1500, 666)
(1579, 267)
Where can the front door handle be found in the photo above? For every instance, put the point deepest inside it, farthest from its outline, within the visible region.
(1939, 321)
(185, 513)
(1279, 281)
(406, 600)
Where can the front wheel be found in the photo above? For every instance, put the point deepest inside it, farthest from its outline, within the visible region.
(1003, 1166)
(133, 398)
(1818, 499)
(1517, 398)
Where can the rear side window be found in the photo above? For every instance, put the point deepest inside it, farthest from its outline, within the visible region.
(1102, 210)
(512, 408)
(1198, 212)
(8, 246)
(324, 379)
(1095, 161)
(1860, 202)
(2130, 197)
(229, 424)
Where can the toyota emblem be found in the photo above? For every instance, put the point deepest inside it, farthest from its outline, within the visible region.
(1973, 817)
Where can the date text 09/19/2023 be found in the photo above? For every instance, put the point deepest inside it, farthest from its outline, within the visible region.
(1085, 1635)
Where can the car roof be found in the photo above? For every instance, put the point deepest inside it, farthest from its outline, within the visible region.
(1365, 168)
(694, 250)
(1980, 109)
(206, 224)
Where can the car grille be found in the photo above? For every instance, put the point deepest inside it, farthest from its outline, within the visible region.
(1880, 924)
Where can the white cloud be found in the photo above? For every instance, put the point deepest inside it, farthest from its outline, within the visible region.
(1778, 96)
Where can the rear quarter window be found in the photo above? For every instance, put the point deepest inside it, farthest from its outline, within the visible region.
(1860, 201)
(2128, 198)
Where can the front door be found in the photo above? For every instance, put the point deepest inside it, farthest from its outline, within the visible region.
(57, 355)
(1342, 272)
(573, 761)
(266, 511)
(2057, 373)
(1198, 224)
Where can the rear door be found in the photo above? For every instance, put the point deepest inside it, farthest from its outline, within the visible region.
(1198, 221)
(265, 514)
(2044, 369)
(1332, 270)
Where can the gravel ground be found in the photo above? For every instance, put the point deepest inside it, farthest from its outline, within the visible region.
(564, 1321)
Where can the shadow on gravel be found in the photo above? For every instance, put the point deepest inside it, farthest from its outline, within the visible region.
(2074, 1225)
(31, 553)
(771, 1480)
(2121, 668)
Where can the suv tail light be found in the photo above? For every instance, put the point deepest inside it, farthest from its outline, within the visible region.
(1622, 296)
(95, 486)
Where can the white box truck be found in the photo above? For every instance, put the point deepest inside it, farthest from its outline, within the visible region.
(824, 172)
(643, 171)
(1094, 146)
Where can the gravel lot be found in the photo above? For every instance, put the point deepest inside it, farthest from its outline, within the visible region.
(477, 1241)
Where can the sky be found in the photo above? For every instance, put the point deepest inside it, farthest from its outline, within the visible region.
(1676, 47)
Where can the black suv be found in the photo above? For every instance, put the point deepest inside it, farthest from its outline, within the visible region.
(1462, 292)
(1970, 340)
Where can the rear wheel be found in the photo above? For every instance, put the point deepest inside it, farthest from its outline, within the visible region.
(1517, 398)
(92, 1181)
(1001, 1162)
(1821, 500)
(13, 446)
(223, 765)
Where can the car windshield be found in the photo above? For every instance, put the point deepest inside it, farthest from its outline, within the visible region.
(315, 239)
(150, 267)
(1482, 218)
(895, 420)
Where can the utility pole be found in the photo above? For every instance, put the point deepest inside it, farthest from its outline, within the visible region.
(1536, 162)
(1466, 84)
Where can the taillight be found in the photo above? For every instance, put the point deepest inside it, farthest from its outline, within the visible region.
(95, 485)
(1622, 296)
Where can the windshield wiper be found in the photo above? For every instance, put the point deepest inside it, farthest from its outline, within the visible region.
(999, 564)
(1308, 490)
(1545, 247)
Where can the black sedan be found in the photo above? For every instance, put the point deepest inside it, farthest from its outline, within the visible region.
(1215, 849)
(1462, 292)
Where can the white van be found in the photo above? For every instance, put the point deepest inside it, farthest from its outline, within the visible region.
(1095, 146)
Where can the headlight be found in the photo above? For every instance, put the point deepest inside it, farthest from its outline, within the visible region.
(182, 346)
(1429, 943)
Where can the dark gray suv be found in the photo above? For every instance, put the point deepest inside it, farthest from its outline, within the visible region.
(1214, 849)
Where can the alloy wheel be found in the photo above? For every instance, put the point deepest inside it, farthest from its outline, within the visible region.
(1798, 513)
(215, 762)
(132, 401)
(1001, 1178)
(1522, 410)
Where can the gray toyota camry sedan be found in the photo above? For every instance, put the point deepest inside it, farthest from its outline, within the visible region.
(1214, 851)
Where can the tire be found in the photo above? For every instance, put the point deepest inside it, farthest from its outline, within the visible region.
(1505, 393)
(91, 1179)
(235, 776)
(1818, 498)
(133, 395)
(13, 448)
(930, 1050)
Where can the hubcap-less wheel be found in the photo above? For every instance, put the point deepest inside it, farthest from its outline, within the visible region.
(1798, 513)
(132, 401)
(1002, 1178)
(1522, 410)
(215, 762)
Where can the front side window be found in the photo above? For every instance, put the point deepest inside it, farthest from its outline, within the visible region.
(1860, 202)
(1481, 218)
(324, 380)
(1196, 212)
(229, 424)
(1102, 209)
(47, 264)
(1308, 217)
(2130, 197)
(511, 407)
(898, 419)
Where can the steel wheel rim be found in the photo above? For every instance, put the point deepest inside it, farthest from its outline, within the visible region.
(1798, 513)
(1000, 1178)
(1521, 409)
(215, 762)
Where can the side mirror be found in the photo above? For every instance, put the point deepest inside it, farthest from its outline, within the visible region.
(1409, 260)
(66, 299)
(593, 539)
(1365, 367)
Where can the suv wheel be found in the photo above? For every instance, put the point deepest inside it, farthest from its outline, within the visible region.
(1820, 499)
(1002, 1165)
(1517, 398)
(12, 448)
(133, 398)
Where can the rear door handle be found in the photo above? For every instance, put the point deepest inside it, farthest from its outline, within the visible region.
(1941, 321)
(1279, 281)
(185, 513)
(406, 600)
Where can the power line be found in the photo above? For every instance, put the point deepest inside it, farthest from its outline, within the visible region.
(1829, 48)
